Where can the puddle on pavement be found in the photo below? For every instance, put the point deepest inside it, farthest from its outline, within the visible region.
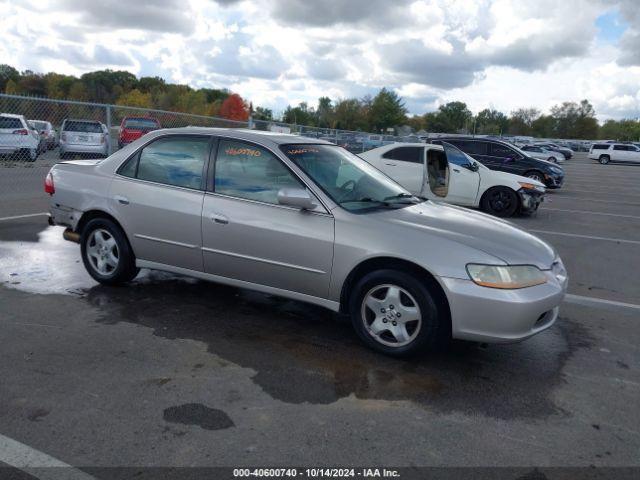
(198, 414)
(302, 353)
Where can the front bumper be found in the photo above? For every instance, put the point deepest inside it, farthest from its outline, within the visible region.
(553, 180)
(530, 200)
(502, 316)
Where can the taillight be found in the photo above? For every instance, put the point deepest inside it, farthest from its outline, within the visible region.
(48, 185)
(103, 138)
(22, 131)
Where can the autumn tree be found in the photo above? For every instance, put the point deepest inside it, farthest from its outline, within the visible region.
(234, 108)
(135, 98)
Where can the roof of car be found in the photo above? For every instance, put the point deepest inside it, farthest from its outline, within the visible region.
(246, 134)
(14, 115)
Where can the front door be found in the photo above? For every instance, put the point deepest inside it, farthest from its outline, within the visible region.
(248, 236)
(450, 176)
(158, 194)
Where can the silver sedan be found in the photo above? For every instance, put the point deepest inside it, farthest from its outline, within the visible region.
(307, 220)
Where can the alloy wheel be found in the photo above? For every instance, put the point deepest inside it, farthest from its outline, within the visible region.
(102, 252)
(391, 315)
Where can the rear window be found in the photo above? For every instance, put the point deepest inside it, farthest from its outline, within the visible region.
(10, 122)
(472, 148)
(405, 154)
(141, 123)
(601, 146)
(84, 127)
(38, 125)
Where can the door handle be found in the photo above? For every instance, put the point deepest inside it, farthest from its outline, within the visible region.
(456, 170)
(121, 200)
(390, 164)
(218, 218)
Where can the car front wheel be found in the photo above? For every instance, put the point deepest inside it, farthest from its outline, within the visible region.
(604, 159)
(500, 201)
(106, 253)
(395, 313)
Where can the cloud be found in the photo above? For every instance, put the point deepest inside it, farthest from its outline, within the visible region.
(172, 16)
(325, 13)
(99, 57)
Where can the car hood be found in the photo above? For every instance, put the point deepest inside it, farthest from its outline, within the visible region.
(496, 237)
(509, 178)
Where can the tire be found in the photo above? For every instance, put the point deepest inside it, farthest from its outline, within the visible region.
(552, 160)
(106, 252)
(604, 159)
(378, 289)
(535, 175)
(500, 201)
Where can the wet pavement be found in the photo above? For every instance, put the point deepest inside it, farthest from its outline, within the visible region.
(173, 371)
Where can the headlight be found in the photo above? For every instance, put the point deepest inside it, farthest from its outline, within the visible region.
(506, 277)
(556, 170)
(531, 186)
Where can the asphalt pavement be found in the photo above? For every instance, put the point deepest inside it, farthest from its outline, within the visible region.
(176, 372)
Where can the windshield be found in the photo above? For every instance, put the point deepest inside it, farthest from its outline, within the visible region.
(84, 127)
(141, 123)
(350, 181)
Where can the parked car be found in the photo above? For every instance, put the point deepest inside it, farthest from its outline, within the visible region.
(443, 172)
(499, 155)
(307, 220)
(543, 153)
(614, 152)
(83, 137)
(47, 133)
(567, 153)
(17, 138)
(375, 141)
(132, 128)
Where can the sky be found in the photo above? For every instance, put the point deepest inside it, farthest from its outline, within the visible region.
(501, 54)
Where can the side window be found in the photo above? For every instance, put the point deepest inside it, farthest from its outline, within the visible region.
(248, 171)
(175, 161)
(473, 148)
(405, 154)
(455, 156)
(621, 147)
(502, 151)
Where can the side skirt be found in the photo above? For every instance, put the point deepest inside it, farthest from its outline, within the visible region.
(323, 302)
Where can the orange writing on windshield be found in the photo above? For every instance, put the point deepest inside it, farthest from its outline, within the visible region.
(242, 151)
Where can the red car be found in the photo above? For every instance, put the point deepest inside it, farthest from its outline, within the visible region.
(132, 128)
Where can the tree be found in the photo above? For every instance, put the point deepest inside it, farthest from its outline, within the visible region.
(348, 114)
(575, 120)
(324, 113)
(544, 126)
(300, 115)
(491, 122)
(522, 119)
(135, 98)
(261, 113)
(387, 110)
(7, 74)
(234, 108)
(79, 92)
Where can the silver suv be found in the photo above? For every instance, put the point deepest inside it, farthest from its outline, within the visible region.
(307, 220)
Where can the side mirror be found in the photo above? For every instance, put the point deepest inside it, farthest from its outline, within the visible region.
(473, 167)
(296, 197)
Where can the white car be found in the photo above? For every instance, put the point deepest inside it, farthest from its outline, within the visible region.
(18, 138)
(543, 153)
(450, 175)
(614, 152)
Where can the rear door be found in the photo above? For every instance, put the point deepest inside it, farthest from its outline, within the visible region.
(158, 195)
(503, 158)
(405, 165)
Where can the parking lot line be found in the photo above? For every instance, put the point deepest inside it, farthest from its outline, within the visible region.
(596, 200)
(591, 237)
(591, 213)
(17, 217)
(37, 463)
(598, 302)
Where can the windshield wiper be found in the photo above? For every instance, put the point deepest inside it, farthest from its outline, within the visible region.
(366, 200)
(400, 196)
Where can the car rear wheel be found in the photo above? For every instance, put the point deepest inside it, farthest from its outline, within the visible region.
(500, 201)
(106, 253)
(395, 313)
(604, 159)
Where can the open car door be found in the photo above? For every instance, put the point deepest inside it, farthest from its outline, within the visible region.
(451, 176)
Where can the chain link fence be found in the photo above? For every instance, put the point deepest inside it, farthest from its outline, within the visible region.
(35, 133)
